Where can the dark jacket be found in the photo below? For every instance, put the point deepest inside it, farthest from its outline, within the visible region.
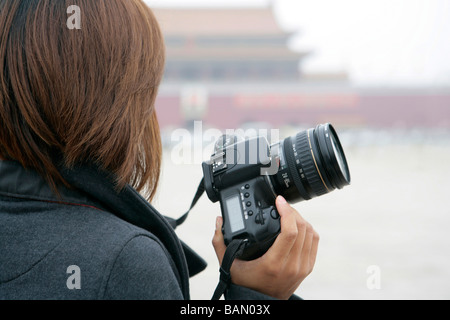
(91, 242)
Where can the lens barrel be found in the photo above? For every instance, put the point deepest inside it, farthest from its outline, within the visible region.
(312, 163)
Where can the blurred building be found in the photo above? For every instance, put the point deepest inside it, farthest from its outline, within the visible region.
(229, 67)
(226, 45)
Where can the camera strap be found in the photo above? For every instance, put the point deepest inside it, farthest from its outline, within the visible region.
(234, 249)
(176, 222)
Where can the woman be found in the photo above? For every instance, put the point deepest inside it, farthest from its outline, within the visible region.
(79, 138)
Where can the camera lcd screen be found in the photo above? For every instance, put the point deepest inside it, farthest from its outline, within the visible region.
(234, 214)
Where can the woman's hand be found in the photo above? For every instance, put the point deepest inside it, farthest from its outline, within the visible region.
(279, 272)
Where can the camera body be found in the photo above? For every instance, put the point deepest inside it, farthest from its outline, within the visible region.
(237, 176)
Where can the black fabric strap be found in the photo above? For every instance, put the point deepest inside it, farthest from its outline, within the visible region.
(200, 190)
(233, 250)
(196, 264)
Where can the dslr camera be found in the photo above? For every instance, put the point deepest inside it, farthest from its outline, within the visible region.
(246, 176)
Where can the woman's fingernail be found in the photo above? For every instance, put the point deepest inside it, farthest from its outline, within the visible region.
(281, 200)
(218, 223)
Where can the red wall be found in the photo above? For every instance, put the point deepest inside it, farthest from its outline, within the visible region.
(419, 110)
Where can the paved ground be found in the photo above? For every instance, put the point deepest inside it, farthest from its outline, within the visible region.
(387, 236)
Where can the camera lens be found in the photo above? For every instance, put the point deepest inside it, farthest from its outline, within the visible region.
(311, 163)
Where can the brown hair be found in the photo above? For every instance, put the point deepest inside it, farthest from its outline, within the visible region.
(87, 94)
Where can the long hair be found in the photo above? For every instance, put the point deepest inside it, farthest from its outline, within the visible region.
(81, 95)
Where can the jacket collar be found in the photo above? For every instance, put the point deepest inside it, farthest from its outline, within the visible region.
(18, 182)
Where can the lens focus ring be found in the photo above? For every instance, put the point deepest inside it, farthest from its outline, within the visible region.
(303, 145)
(289, 145)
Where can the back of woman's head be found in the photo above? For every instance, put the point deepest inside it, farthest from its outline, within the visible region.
(81, 95)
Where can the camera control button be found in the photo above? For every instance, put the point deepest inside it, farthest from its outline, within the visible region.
(249, 204)
(246, 194)
(274, 214)
(259, 218)
(250, 213)
(247, 186)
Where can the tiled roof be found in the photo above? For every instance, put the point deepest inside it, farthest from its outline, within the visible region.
(218, 22)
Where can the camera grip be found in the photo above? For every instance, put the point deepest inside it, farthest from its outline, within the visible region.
(261, 232)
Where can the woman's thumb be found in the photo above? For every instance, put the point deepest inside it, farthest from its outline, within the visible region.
(218, 241)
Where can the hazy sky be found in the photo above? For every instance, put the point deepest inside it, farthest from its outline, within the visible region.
(378, 42)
